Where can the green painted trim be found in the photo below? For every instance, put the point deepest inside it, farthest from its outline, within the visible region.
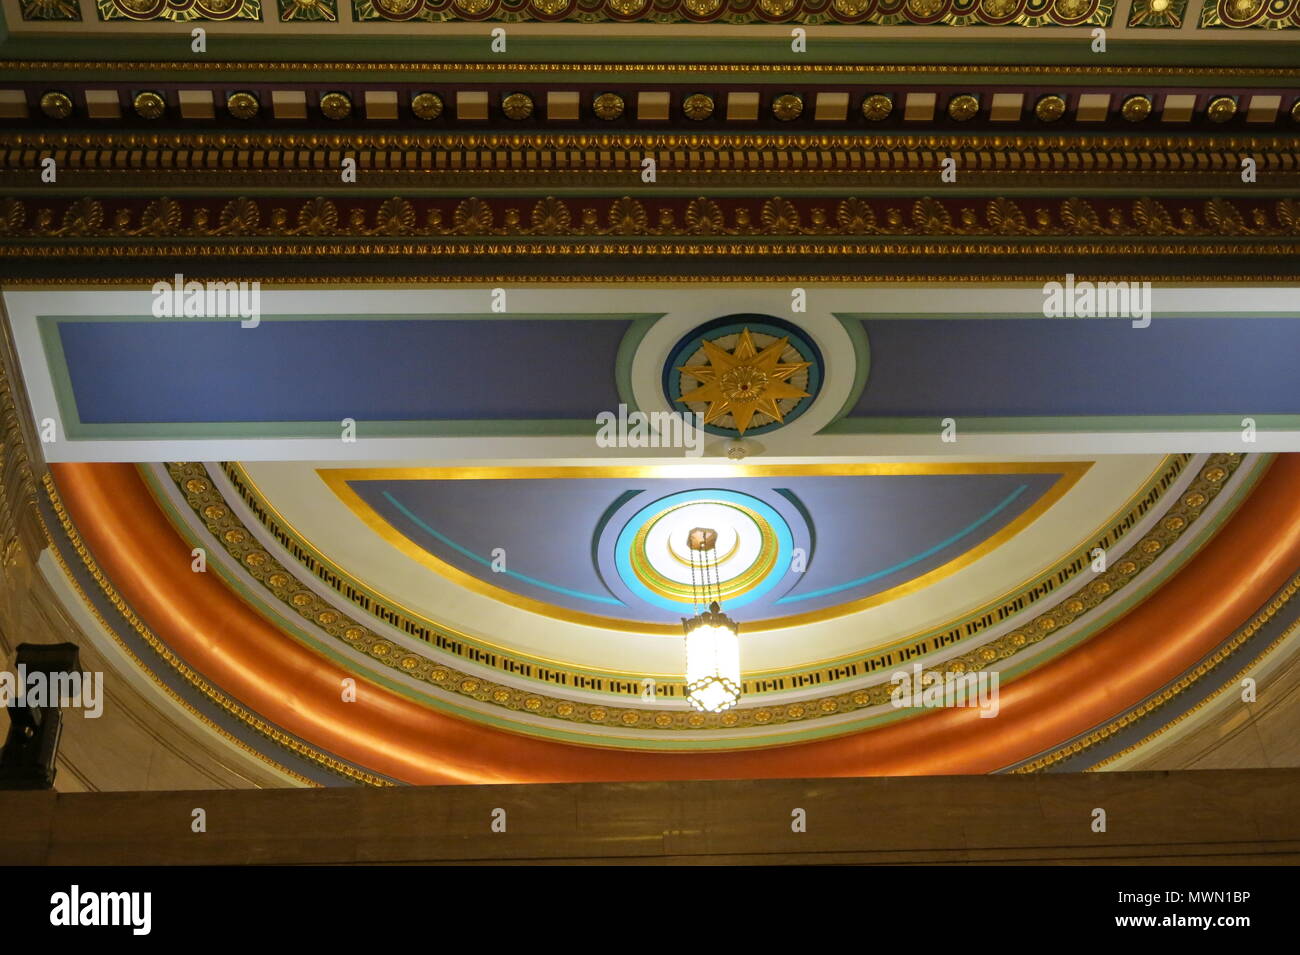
(57, 363)
(1110, 423)
(857, 333)
(626, 353)
(1065, 49)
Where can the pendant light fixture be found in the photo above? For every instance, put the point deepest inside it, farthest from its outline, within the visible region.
(712, 638)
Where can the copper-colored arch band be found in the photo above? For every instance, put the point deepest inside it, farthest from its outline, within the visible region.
(247, 657)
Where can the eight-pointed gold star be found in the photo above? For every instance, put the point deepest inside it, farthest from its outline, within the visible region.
(744, 382)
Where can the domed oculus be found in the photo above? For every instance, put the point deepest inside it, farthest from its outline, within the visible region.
(653, 556)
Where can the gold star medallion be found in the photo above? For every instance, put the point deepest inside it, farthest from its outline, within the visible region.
(744, 382)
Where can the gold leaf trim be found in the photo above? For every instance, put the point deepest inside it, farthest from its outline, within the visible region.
(210, 506)
(1137, 713)
(145, 68)
(191, 676)
(913, 13)
(606, 250)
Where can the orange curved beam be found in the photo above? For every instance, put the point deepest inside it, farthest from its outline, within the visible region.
(233, 646)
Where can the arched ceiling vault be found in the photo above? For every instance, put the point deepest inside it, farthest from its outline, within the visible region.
(398, 525)
(216, 628)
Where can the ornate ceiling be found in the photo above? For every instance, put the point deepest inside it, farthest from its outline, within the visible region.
(490, 239)
(438, 523)
(335, 17)
(264, 639)
(438, 373)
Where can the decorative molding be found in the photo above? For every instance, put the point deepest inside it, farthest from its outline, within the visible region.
(285, 281)
(162, 685)
(721, 250)
(296, 11)
(1155, 704)
(18, 515)
(22, 535)
(1261, 14)
(1233, 684)
(1024, 13)
(68, 10)
(191, 676)
(890, 149)
(215, 512)
(659, 72)
(762, 162)
(396, 225)
(179, 11)
(1157, 13)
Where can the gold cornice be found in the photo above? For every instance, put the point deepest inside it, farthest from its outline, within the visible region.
(363, 139)
(538, 162)
(775, 247)
(686, 70)
(21, 528)
(612, 225)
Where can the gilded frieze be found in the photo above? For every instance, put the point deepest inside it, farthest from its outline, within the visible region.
(630, 218)
(1261, 14)
(297, 11)
(1157, 13)
(1023, 13)
(50, 9)
(179, 11)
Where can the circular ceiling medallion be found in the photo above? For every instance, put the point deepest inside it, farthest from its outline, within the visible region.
(746, 374)
(752, 554)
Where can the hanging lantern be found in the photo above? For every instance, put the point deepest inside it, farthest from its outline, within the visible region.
(712, 638)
